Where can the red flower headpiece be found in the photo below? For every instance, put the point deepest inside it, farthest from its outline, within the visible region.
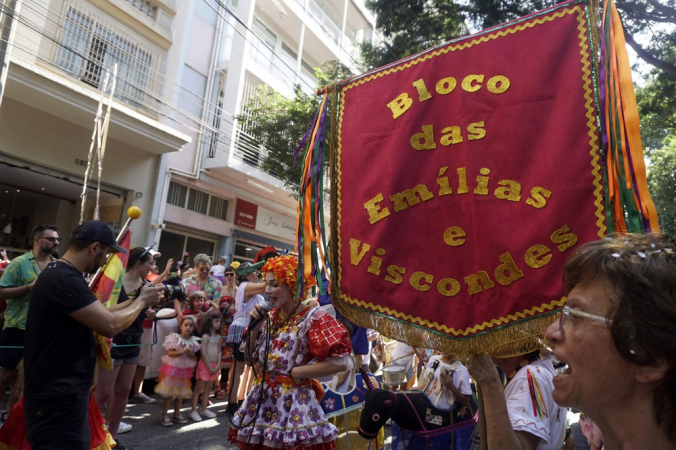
(285, 269)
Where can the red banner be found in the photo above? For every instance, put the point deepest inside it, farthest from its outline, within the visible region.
(466, 176)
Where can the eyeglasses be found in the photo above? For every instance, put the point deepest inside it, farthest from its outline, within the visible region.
(567, 310)
(51, 239)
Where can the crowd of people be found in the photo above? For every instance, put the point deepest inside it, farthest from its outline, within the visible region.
(614, 351)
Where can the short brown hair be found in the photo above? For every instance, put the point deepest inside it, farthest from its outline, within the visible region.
(641, 272)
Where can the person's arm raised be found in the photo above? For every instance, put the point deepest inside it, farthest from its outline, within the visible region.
(107, 323)
(160, 278)
(499, 429)
(253, 289)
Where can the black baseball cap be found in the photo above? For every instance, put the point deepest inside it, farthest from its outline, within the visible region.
(97, 231)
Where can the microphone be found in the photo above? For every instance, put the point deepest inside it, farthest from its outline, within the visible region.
(266, 307)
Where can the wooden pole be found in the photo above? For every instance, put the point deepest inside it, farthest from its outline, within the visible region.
(119, 236)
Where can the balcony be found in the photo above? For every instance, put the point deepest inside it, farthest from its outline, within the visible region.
(87, 48)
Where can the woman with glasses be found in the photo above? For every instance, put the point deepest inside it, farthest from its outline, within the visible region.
(617, 336)
(126, 349)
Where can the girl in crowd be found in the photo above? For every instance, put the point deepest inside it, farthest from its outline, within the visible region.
(305, 343)
(248, 295)
(617, 336)
(126, 349)
(176, 372)
(198, 306)
(209, 365)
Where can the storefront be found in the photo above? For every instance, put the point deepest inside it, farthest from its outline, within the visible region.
(259, 227)
(32, 195)
(201, 217)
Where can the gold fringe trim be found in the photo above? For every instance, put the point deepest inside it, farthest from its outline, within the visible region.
(510, 340)
(595, 31)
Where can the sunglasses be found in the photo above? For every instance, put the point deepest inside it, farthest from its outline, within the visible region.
(204, 269)
(51, 239)
(230, 274)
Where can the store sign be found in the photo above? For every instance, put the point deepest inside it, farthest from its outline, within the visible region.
(277, 224)
(245, 215)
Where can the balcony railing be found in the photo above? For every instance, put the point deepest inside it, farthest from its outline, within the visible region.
(87, 47)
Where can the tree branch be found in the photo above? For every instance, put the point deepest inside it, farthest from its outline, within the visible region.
(647, 56)
(665, 10)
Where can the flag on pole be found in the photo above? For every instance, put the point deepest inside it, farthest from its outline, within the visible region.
(107, 286)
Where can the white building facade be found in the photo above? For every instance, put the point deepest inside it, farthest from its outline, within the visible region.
(218, 200)
(185, 69)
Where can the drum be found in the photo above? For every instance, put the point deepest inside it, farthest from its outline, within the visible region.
(394, 375)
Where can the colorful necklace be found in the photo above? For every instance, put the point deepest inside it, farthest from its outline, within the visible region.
(279, 323)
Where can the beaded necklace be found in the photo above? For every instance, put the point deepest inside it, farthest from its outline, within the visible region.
(278, 323)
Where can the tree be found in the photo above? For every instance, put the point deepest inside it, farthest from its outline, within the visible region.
(411, 26)
(279, 123)
(662, 183)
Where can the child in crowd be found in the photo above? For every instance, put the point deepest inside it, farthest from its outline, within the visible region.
(176, 372)
(198, 306)
(209, 364)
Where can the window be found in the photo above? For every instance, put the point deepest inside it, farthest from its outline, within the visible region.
(197, 201)
(88, 47)
(177, 194)
(262, 47)
(218, 208)
(245, 251)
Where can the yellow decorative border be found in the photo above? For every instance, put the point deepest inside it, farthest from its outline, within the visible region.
(502, 320)
(593, 137)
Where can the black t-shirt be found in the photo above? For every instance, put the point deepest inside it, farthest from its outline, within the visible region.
(60, 352)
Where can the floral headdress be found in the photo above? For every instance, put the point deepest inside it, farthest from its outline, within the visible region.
(285, 269)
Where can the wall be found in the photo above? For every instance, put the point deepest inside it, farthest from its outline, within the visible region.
(35, 136)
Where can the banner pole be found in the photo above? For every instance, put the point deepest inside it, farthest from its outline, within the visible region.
(131, 215)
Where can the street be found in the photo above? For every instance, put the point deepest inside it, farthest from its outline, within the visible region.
(148, 433)
(211, 434)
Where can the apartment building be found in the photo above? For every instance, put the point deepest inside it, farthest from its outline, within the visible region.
(218, 200)
(56, 55)
(185, 70)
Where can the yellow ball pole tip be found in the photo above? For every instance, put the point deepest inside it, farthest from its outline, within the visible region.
(134, 212)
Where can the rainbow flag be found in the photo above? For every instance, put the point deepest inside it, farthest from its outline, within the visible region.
(107, 286)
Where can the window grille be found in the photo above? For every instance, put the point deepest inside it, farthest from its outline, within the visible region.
(197, 201)
(177, 194)
(88, 47)
(218, 207)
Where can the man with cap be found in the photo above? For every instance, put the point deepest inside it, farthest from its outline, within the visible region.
(60, 351)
